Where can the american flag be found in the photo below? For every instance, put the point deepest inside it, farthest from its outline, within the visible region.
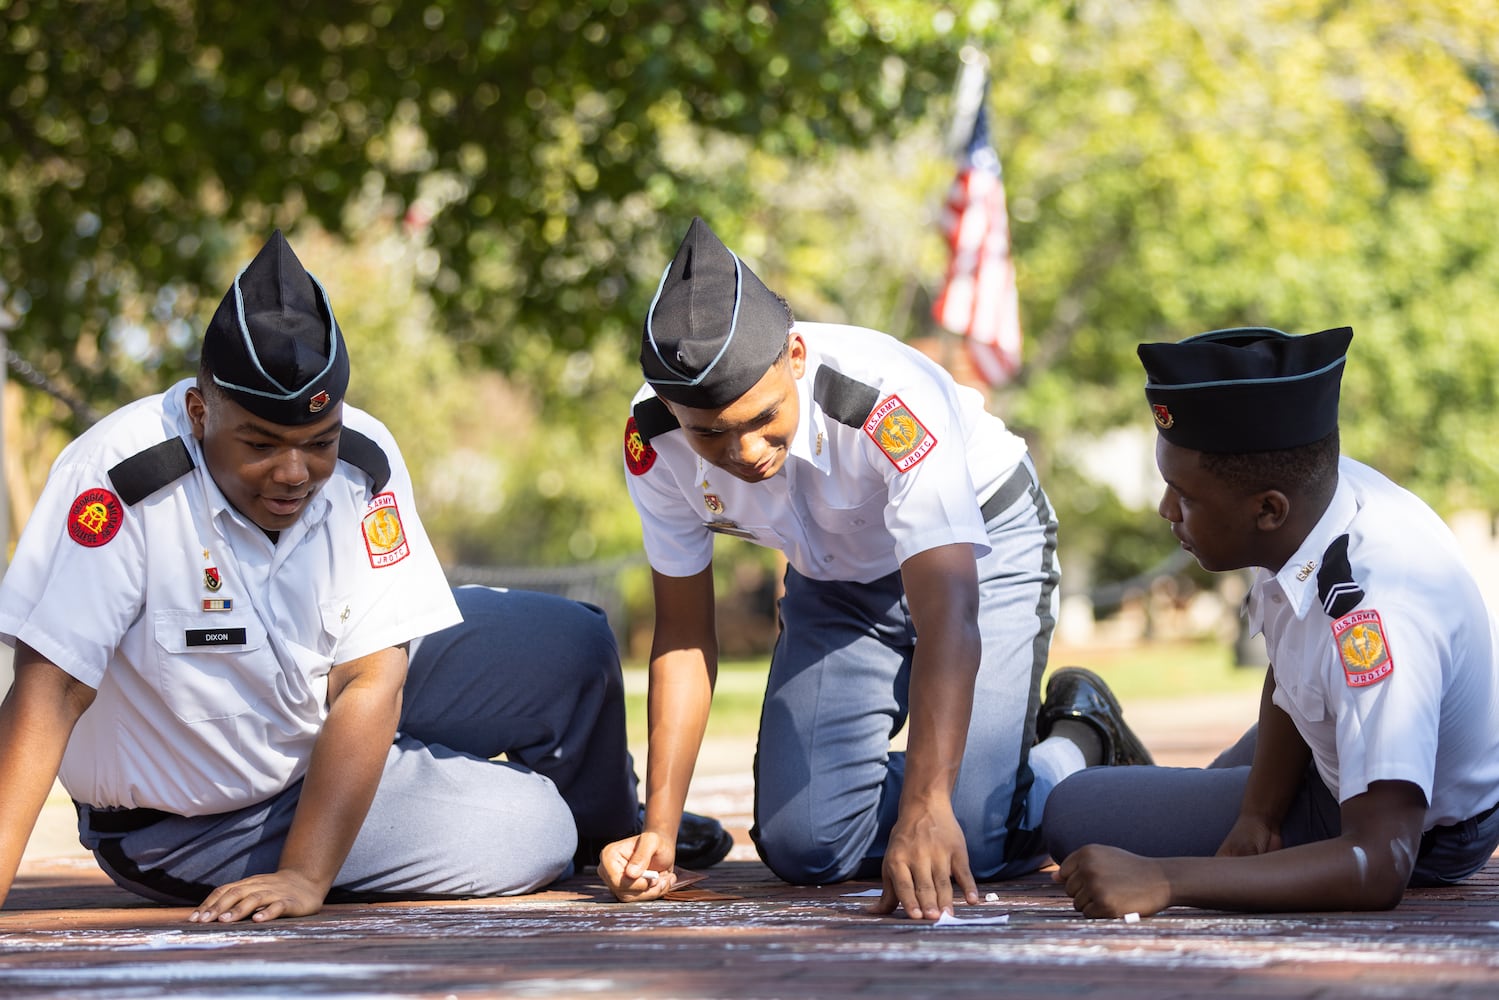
(978, 298)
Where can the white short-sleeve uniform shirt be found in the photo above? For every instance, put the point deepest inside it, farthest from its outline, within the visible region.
(1386, 659)
(851, 503)
(208, 644)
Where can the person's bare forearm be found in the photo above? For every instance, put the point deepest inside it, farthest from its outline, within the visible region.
(684, 666)
(1337, 874)
(942, 678)
(926, 854)
(1365, 868)
(1280, 760)
(942, 590)
(345, 771)
(681, 694)
(36, 720)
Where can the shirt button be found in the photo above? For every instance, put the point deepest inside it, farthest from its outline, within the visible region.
(827, 559)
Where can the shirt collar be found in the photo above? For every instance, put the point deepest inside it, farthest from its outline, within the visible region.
(218, 505)
(1298, 577)
(811, 443)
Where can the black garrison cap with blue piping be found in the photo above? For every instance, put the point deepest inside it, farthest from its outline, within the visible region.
(1247, 389)
(273, 345)
(713, 329)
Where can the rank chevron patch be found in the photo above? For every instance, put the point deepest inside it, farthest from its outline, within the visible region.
(1336, 588)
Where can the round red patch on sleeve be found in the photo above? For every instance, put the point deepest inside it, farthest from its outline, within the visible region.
(95, 517)
(639, 455)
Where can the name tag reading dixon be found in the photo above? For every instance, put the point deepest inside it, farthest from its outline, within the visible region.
(215, 637)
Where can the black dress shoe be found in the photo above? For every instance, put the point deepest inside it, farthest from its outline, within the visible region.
(701, 842)
(1075, 693)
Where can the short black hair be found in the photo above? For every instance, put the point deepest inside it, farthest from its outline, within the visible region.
(1307, 470)
(210, 389)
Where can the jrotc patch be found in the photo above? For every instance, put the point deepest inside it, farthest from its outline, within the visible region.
(903, 438)
(95, 517)
(713, 503)
(1163, 417)
(1362, 648)
(211, 578)
(639, 455)
(384, 537)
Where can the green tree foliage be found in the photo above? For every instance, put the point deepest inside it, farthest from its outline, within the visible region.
(538, 156)
(527, 166)
(526, 141)
(1178, 167)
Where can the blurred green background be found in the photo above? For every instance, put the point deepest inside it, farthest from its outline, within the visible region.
(489, 191)
(1158, 670)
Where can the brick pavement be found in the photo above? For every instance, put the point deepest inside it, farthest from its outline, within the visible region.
(66, 932)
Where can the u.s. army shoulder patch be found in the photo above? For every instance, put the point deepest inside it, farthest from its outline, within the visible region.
(1362, 648)
(384, 536)
(903, 438)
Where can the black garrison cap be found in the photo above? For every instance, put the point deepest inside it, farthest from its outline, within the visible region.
(273, 344)
(713, 328)
(1247, 389)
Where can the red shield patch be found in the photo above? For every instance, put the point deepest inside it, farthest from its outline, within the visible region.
(1162, 415)
(639, 455)
(95, 517)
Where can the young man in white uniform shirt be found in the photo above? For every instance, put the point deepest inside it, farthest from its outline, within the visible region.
(211, 609)
(901, 506)
(1375, 763)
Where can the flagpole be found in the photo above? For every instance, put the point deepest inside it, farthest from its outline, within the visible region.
(978, 300)
(968, 97)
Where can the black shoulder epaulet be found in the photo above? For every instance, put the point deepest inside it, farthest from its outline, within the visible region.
(652, 418)
(365, 455)
(145, 472)
(1336, 588)
(845, 399)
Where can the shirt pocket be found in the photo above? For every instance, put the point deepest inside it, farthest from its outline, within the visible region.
(846, 519)
(1303, 700)
(211, 669)
(336, 616)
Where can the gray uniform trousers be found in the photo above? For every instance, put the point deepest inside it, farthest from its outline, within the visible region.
(531, 676)
(827, 785)
(1179, 812)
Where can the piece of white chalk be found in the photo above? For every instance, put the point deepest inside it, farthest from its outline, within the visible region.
(650, 875)
(1132, 918)
(991, 897)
